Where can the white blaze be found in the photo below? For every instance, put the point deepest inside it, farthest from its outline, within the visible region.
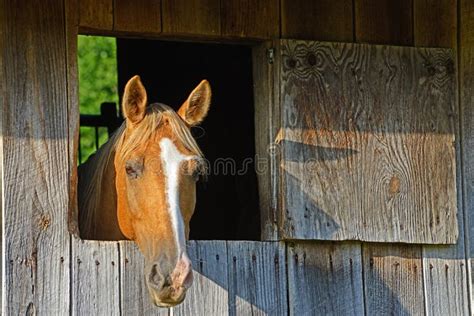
(172, 159)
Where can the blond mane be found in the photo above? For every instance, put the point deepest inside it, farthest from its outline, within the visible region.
(123, 142)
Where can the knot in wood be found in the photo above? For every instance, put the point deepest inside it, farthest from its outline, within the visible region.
(311, 59)
(291, 63)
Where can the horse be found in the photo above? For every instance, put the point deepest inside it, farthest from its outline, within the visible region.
(141, 186)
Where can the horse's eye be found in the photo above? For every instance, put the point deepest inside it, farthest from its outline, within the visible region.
(133, 169)
(129, 170)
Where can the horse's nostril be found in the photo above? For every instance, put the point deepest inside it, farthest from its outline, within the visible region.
(154, 276)
(157, 280)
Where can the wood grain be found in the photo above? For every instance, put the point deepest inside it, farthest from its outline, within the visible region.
(325, 278)
(257, 278)
(209, 292)
(325, 20)
(250, 19)
(384, 21)
(35, 166)
(96, 14)
(142, 16)
(367, 143)
(446, 280)
(393, 278)
(435, 23)
(2, 102)
(198, 17)
(135, 299)
(445, 273)
(72, 29)
(267, 118)
(95, 278)
(466, 76)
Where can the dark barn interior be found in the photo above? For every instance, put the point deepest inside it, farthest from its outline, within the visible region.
(227, 203)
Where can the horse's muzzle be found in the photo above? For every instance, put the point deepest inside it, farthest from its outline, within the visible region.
(169, 289)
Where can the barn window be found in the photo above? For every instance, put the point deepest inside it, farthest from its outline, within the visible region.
(227, 204)
(337, 129)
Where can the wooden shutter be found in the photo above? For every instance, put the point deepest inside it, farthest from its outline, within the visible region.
(361, 141)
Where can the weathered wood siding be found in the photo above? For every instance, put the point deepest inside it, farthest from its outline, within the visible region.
(354, 166)
(466, 144)
(35, 158)
(38, 127)
(325, 278)
(230, 278)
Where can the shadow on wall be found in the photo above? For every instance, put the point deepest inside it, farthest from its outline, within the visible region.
(324, 278)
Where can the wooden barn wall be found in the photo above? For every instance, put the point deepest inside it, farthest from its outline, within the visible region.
(35, 158)
(39, 125)
(466, 81)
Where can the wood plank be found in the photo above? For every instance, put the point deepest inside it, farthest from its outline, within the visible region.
(95, 277)
(446, 280)
(435, 23)
(135, 299)
(377, 300)
(384, 22)
(445, 275)
(35, 168)
(72, 29)
(267, 118)
(325, 278)
(332, 156)
(251, 19)
(142, 16)
(466, 55)
(257, 278)
(327, 20)
(2, 193)
(193, 17)
(393, 276)
(96, 14)
(209, 292)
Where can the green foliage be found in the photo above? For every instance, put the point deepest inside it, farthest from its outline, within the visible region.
(97, 62)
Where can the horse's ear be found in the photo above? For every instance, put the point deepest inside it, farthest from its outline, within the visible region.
(195, 108)
(134, 100)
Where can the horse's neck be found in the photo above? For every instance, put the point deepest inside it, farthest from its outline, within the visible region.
(104, 224)
(107, 227)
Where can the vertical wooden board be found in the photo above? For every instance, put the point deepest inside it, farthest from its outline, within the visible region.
(445, 273)
(142, 16)
(135, 299)
(2, 106)
(209, 293)
(193, 17)
(35, 168)
(2, 263)
(72, 30)
(393, 278)
(96, 14)
(326, 20)
(435, 23)
(466, 69)
(267, 123)
(257, 278)
(445, 280)
(353, 163)
(95, 277)
(384, 21)
(251, 19)
(325, 278)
